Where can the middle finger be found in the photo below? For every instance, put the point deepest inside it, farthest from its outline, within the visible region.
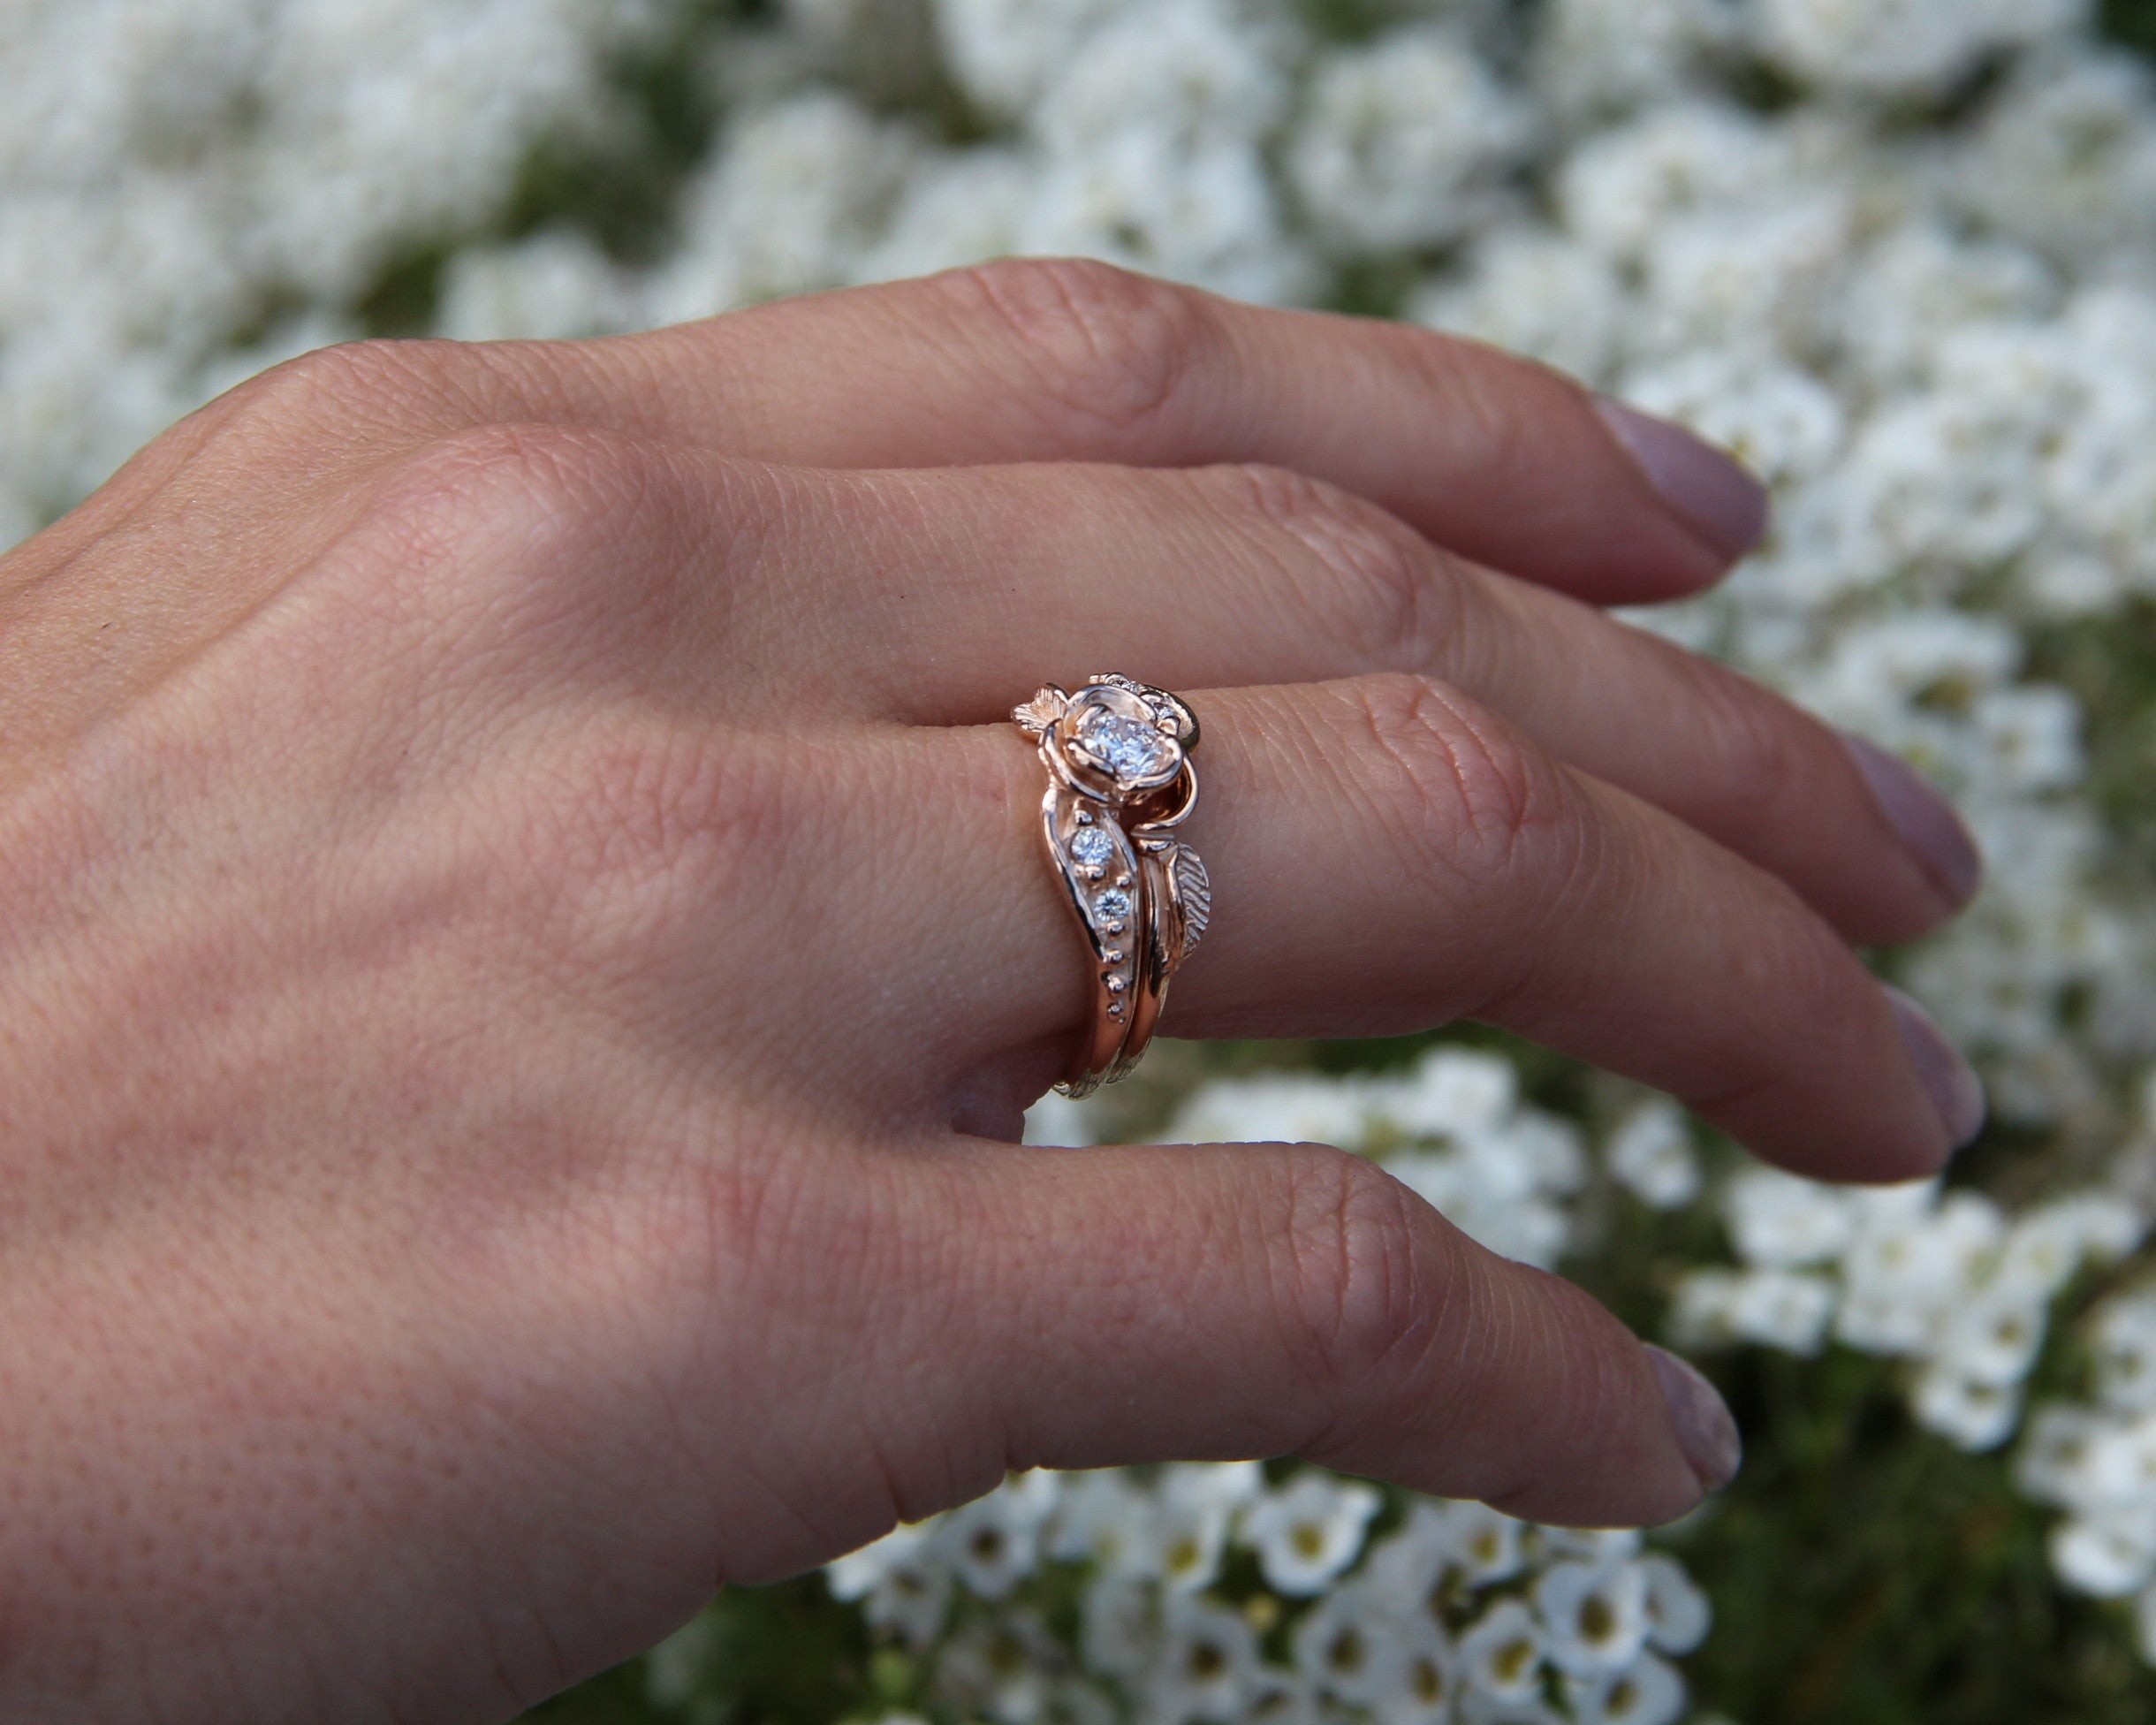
(941, 596)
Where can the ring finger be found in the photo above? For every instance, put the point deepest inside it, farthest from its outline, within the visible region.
(1388, 857)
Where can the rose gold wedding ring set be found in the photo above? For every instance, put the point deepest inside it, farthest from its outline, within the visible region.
(1120, 783)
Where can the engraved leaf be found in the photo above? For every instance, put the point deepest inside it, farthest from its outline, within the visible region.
(1193, 891)
(1040, 713)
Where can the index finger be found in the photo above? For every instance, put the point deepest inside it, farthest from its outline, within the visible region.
(1501, 459)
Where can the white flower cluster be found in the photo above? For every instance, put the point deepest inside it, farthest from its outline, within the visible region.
(1453, 1129)
(2097, 1463)
(1458, 1613)
(192, 188)
(1943, 1279)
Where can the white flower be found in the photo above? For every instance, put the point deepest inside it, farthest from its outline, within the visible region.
(1187, 1540)
(1897, 45)
(1227, 1485)
(1483, 1543)
(1651, 1155)
(1399, 139)
(1119, 1628)
(1405, 1568)
(1207, 1667)
(1597, 56)
(1102, 1516)
(1782, 1222)
(1993, 1338)
(1339, 1646)
(2066, 160)
(554, 284)
(902, 1580)
(1972, 1414)
(851, 1576)
(999, 1666)
(1785, 1309)
(1623, 187)
(797, 192)
(2048, 1244)
(2109, 1561)
(1678, 1615)
(1005, 51)
(1275, 1699)
(1501, 1657)
(1542, 294)
(1307, 1533)
(2053, 1460)
(1598, 1547)
(1649, 1691)
(1596, 1617)
(1191, 72)
(1417, 1678)
(994, 1542)
(2125, 1339)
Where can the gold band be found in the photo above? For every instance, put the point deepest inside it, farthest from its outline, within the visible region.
(1120, 782)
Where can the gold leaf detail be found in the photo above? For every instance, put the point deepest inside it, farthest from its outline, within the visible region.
(1192, 890)
(1039, 715)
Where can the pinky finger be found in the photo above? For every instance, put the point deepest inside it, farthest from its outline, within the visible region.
(1149, 1304)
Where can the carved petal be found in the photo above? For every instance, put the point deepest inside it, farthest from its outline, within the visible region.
(1041, 713)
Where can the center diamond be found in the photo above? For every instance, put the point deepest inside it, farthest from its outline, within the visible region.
(1128, 747)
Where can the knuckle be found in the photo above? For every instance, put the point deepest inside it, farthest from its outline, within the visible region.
(641, 799)
(1103, 348)
(1387, 589)
(618, 835)
(377, 379)
(536, 468)
(1450, 781)
(1763, 756)
(529, 505)
(1358, 1268)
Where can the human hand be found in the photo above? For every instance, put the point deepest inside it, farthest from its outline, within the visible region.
(523, 935)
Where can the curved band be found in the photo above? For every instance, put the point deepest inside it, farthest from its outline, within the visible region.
(1120, 782)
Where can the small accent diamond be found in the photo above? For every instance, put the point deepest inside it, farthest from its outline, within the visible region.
(1092, 846)
(1111, 904)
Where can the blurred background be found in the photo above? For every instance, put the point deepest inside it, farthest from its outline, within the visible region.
(1900, 254)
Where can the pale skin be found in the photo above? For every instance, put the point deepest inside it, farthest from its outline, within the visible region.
(525, 945)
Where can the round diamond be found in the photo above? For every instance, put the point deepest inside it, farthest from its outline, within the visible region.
(1113, 904)
(1130, 747)
(1091, 846)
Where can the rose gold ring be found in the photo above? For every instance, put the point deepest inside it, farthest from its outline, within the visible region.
(1120, 782)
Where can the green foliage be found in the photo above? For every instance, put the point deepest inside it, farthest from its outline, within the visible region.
(2132, 21)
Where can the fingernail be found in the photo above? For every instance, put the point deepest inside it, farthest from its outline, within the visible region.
(1955, 1090)
(1716, 498)
(1925, 819)
(1706, 1432)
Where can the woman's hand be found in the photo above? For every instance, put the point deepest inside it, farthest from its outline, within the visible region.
(522, 937)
